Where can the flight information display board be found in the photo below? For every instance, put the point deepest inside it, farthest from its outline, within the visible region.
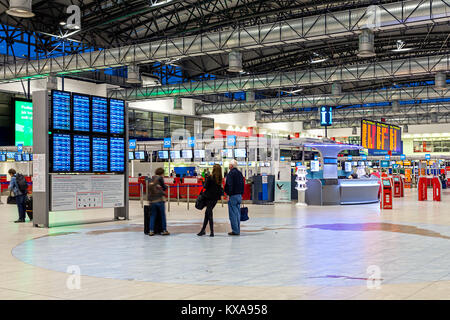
(61, 110)
(61, 153)
(81, 153)
(99, 115)
(99, 154)
(81, 113)
(116, 116)
(117, 154)
(381, 136)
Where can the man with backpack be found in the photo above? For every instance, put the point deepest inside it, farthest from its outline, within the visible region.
(156, 197)
(19, 187)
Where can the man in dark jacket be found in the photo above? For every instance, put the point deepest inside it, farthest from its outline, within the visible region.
(156, 197)
(20, 196)
(234, 188)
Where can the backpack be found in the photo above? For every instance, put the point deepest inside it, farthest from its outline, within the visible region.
(21, 183)
(154, 189)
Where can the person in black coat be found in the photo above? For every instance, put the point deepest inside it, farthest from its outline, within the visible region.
(213, 193)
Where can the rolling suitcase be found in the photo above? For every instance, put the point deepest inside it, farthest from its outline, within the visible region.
(158, 221)
(29, 207)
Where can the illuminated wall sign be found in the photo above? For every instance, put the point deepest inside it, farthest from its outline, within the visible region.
(23, 122)
(191, 142)
(381, 136)
(326, 116)
(167, 142)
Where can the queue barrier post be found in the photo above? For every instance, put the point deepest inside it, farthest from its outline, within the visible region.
(178, 194)
(188, 197)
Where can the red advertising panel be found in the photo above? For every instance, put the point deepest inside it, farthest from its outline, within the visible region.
(381, 136)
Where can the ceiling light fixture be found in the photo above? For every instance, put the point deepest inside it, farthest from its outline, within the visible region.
(20, 8)
(318, 60)
(401, 47)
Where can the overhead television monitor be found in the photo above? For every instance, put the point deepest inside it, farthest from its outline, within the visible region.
(26, 157)
(186, 154)
(227, 153)
(130, 155)
(116, 116)
(2, 157)
(139, 155)
(61, 110)
(99, 154)
(61, 151)
(199, 154)
(381, 136)
(117, 154)
(361, 163)
(175, 154)
(355, 163)
(10, 155)
(99, 114)
(163, 154)
(240, 153)
(18, 157)
(23, 122)
(81, 111)
(81, 153)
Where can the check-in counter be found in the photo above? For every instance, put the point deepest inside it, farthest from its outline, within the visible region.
(359, 191)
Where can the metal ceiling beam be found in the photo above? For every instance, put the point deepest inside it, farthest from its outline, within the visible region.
(351, 117)
(346, 99)
(410, 67)
(390, 16)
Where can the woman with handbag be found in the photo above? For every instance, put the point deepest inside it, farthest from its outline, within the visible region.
(213, 192)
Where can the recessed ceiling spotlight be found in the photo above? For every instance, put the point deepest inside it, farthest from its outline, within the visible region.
(62, 23)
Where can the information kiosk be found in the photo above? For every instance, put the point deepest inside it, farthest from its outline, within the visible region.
(386, 193)
(398, 186)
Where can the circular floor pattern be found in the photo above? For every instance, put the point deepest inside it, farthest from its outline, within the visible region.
(270, 252)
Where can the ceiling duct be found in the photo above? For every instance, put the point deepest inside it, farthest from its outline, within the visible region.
(20, 8)
(235, 61)
(133, 74)
(250, 96)
(440, 81)
(395, 106)
(434, 118)
(366, 44)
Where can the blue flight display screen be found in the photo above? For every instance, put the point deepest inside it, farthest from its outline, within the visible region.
(117, 154)
(99, 115)
(2, 157)
(81, 113)
(100, 154)
(26, 157)
(61, 110)
(81, 153)
(18, 157)
(117, 116)
(61, 153)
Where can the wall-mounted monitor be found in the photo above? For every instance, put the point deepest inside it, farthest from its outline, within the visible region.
(175, 154)
(26, 157)
(116, 116)
(81, 110)
(23, 122)
(130, 155)
(240, 153)
(199, 154)
(18, 157)
(163, 154)
(61, 110)
(99, 154)
(81, 153)
(186, 154)
(61, 151)
(99, 114)
(10, 155)
(227, 153)
(2, 157)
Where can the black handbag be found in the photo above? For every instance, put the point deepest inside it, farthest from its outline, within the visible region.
(244, 214)
(11, 198)
(200, 203)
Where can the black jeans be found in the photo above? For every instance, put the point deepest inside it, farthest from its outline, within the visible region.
(210, 204)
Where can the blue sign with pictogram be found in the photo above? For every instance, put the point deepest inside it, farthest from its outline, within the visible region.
(231, 141)
(326, 116)
(191, 142)
(167, 142)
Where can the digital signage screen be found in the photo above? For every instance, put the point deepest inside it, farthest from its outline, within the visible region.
(130, 155)
(381, 136)
(26, 157)
(199, 154)
(2, 157)
(315, 166)
(240, 153)
(10, 155)
(61, 110)
(186, 154)
(227, 153)
(61, 153)
(81, 153)
(99, 115)
(139, 155)
(117, 154)
(163, 154)
(175, 154)
(81, 112)
(23, 111)
(18, 157)
(116, 116)
(99, 154)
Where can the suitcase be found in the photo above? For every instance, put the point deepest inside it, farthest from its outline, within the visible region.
(158, 221)
(11, 200)
(29, 207)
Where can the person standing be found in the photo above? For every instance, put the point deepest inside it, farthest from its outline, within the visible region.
(157, 200)
(213, 193)
(234, 188)
(19, 187)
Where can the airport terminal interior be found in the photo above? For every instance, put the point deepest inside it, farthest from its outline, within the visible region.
(317, 131)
